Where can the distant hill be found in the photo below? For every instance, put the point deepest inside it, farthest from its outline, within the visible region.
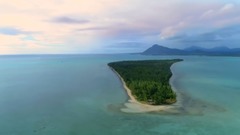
(193, 50)
(161, 50)
(219, 49)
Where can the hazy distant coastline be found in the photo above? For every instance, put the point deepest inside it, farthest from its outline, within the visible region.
(193, 50)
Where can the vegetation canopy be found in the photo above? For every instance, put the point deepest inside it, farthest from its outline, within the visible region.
(148, 80)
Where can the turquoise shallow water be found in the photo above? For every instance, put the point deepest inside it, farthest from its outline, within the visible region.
(80, 95)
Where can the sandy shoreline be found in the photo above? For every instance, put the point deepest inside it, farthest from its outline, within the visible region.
(134, 106)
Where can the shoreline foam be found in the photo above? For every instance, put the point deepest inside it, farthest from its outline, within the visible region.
(134, 106)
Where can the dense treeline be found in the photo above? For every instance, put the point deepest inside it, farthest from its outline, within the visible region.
(148, 79)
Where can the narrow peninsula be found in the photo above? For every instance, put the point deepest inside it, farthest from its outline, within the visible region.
(147, 81)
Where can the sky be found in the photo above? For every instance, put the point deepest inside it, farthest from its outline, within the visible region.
(116, 26)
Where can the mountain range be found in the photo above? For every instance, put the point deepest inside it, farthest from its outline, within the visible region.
(193, 50)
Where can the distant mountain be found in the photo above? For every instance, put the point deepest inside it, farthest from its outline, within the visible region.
(161, 50)
(193, 50)
(220, 49)
(197, 48)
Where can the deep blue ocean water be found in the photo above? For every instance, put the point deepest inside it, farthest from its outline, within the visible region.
(80, 95)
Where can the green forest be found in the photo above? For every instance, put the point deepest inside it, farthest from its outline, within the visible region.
(148, 79)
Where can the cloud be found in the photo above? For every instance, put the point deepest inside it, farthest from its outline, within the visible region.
(227, 7)
(221, 15)
(227, 36)
(92, 29)
(68, 20)
(10, 31)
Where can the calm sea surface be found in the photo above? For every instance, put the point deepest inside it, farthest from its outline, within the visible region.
(80, 95)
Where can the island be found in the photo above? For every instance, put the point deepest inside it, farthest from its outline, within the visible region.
(147, 80)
